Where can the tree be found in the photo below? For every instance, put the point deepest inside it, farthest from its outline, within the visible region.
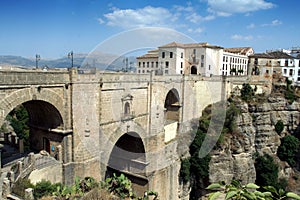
(279, 126)
(266, 171)
(288, 149)
(247, 92)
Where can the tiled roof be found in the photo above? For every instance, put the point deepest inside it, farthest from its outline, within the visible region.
(190, 45)
(238, 50)
(272, 55)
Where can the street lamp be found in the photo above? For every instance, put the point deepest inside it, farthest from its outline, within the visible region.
(37, 58)
(70, 55)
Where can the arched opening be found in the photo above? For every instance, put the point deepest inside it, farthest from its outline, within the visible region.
(172, 106)
(127, 109)
(32, 127)
(128, 157)
(193, 70)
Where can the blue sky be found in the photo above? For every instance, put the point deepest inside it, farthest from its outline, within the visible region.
(52, 28)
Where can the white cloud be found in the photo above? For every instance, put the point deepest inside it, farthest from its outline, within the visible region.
(101, 21)
(251, 26)
(197, 30)
(241, 37)
(275, 22)
(229, 7)
(147, 16)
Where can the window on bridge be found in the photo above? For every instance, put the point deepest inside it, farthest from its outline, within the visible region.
(172, 106)
(128, 157)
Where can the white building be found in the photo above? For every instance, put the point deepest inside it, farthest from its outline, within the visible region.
(235, 61)
(274, 63)
(196, 58)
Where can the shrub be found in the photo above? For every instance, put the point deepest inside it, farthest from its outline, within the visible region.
(44, 188)
(266, 171)
(185, 170)
(279, 126)
(288, 149)
(247, 92)
(20, 186)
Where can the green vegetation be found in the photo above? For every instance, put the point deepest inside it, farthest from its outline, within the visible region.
(185, 170)
(117, 186)
(18, 119)
(20, 186)
(289, 94)
(279, 126)
(247, 92)
(44, 188)
(288, 149)
(266, 171)
(235, 190)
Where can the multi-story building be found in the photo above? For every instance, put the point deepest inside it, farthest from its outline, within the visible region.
(196, 58)
(275, 63)
(235, 60)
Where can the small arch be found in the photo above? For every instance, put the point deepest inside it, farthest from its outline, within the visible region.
(172, 106)
(127, 109)
(193, 70)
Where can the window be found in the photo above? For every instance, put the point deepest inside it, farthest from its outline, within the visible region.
(223, 58)
(298, 72)
(167, 64)
(156, 64)
(127, 109)
(139, 71)
(148, 64)
(143, 64)
(180, 71)
(163, 55)
(152, 64)
(181, 55)
(208, 67)
(139, 64)
(284, 71)
(267, 71)
(286, 63)
(171, 54)
(181, 65)
(166, 71)
(291, 72)
(202, 64)
(298, 79)
(143, 71)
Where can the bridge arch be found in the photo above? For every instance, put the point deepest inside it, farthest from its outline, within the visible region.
(128, 156)
(21, 96)
(172, 106)
(45, 121)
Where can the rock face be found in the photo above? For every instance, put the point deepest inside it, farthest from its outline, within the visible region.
(255, 133)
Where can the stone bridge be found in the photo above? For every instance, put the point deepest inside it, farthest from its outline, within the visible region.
(99, 123)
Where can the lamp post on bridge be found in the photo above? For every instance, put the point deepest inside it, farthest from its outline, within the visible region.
(37, 58)
(70, 55)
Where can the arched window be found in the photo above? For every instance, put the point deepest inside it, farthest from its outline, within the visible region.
(127, 109)
(193, 70)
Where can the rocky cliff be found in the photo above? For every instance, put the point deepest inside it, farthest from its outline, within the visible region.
(255, 134)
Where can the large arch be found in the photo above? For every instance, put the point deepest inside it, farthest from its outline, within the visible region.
(172, 106)
(46, 122)
(128, 157)
(21, 96)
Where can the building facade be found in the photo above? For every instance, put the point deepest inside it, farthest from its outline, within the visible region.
(197, 58)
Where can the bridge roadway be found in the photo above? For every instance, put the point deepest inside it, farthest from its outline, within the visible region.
(98, 123)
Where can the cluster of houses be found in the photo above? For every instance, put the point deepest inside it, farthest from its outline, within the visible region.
(209, 60)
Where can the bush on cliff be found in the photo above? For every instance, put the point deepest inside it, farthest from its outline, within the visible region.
(288, 149)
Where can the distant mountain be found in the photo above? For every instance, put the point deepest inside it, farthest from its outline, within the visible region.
(99, 60)
(16, 60)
